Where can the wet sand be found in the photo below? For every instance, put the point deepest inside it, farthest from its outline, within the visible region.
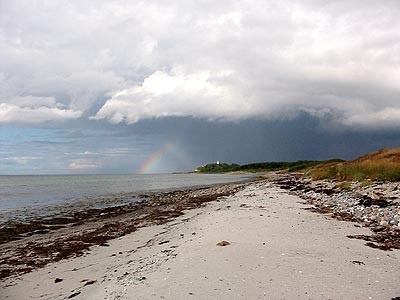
(273, 248)
(25, 246)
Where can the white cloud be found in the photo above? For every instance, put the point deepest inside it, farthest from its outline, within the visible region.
(13, 113)
(83, 164)
(35, 102)
(88, 153)
(118, 152)
(20, 160)
(124, 61)
(198, 94)
(381, 118)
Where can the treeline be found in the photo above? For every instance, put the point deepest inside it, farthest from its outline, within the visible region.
(290, 166)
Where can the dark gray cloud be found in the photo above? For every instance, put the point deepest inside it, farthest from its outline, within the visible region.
(248, 141)
(192, 142)
(98, 86)
(125, 61)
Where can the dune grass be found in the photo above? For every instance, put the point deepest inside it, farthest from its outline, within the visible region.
(381, 165)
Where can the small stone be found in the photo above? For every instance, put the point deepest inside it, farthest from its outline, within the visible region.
(74, 295)
(223, 243)
(90, 282)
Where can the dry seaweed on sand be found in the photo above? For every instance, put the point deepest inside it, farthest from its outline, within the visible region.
(96, 227)
(384, 239)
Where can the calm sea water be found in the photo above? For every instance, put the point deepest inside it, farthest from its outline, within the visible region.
(43, 190)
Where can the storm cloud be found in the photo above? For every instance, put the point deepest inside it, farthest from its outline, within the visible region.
(125, 61)
(95, 86)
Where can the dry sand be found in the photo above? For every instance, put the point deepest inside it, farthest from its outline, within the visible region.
(277, 250)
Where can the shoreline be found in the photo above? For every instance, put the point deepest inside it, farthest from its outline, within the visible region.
(273, 247)
(89, 224)
(49, 240)
(65, 207)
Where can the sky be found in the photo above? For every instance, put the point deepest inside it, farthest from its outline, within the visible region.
(161, 86)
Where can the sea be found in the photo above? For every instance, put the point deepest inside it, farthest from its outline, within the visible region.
(23, 197)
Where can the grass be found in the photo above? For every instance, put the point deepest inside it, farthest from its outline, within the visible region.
(345, 185)
(366, 183)
(382, 165)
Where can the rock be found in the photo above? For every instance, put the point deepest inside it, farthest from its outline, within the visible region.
(89, 282)
(74, 295)
(223, 243)
(376, 206)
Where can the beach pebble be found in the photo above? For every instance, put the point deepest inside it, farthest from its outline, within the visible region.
(223, 243)
(375, 205)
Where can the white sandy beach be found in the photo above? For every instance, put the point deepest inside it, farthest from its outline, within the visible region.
(277, 250)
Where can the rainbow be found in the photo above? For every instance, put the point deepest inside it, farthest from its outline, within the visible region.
(154, 158)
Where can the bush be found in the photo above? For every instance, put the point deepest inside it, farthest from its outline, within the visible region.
(293, 166)
(218, 168)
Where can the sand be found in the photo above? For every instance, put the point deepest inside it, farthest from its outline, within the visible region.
(276, 250)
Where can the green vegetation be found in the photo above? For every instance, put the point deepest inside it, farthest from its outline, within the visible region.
(218, 168)
(345, 185)
(381, 165)
(366, 183)
(262, 166)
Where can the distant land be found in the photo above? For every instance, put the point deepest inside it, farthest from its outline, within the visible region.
(263, 166)
(383, 164)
